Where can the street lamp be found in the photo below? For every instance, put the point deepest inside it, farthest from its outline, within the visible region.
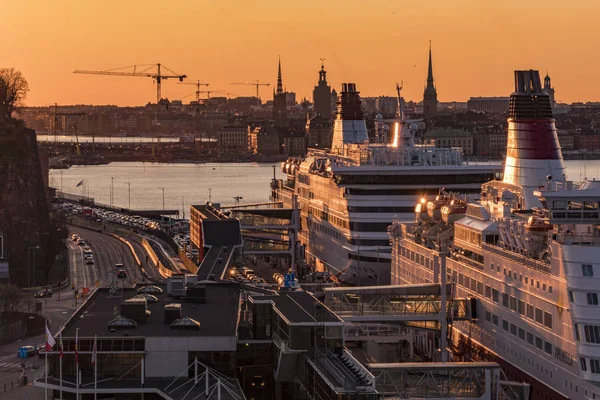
(163, 197)
(28, 279)
(111, 190)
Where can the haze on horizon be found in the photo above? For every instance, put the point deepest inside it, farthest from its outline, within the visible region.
(476, 46)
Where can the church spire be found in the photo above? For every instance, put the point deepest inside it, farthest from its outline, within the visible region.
(279, 81)
(430, 70)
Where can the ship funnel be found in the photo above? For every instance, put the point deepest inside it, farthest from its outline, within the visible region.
(349, 126)
(533, 152)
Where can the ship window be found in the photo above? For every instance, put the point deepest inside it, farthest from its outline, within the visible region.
(467, 282)
(488, 291)
(495, 295)
(539, 315)
(530, 338)
(513, 329)
(504, 299)
(577, 337)
(544, 287)
(595, 366)
(488, 316)
(547, 320)
(505, 325)
(529, 311)
(498, 267)
(521, 307)
(592, 333)
(521, 333)
(504, 271)
(513, 303)
(559, 205)
(571, 297)
(592, 299)
(473, 285)
(539, 343)
(538, 284)
(532, 282)
(590, 205)
(480, 288)
(550, 289)
(461, 278)
(587, 269)
(492, 266)
(548, 348)
(526, 280)
(495, 319)
(583, 364)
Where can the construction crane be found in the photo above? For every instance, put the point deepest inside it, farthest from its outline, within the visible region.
(54, 122)
(197, 84)
(257, 84)
(147, 73)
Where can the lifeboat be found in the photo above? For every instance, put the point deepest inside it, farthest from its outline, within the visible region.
(434, 207)
(537, 225)
(421, 211)
(453, 211)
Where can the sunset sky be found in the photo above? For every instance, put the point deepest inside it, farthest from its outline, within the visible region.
(476, 46)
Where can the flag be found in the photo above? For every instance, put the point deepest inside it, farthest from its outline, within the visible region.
(60, 344)
(80, 183)
(94, 352)
(50, 342)
(76, 339)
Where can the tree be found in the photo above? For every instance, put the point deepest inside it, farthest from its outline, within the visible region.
(13, 91)
(11, 298)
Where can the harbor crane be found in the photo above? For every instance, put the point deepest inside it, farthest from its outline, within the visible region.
(258, 84)
(197, 84)
(147, 71)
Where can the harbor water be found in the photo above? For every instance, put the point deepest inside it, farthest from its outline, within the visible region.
(187, 183)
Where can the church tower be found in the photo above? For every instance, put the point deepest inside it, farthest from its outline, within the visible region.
(430, 101)
(322, 95)
(279, 99)
(549, 90)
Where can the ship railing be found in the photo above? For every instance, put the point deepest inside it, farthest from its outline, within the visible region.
(469, 261)
(526, 261)
(579, 239)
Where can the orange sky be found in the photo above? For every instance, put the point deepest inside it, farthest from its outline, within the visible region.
(476, 45)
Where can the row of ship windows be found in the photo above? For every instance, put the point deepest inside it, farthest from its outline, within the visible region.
(513, 274)
(337, 235)
(530, 338)
(592, 298)
(591, 333)
(538, 315)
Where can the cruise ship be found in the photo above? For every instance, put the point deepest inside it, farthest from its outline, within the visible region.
(349, 195)
(528, 252)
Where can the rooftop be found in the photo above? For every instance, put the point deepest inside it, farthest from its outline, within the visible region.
(218, 316)
(299, 307)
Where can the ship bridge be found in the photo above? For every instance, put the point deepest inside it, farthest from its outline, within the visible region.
(398, 304)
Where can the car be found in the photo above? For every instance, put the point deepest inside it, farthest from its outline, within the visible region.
(81, 242)
(89, 260)
(75, 238)
(258, 382)
(26, 351)
(43, 294)
(121, 274)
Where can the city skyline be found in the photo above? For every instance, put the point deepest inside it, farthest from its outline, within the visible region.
(476, 47)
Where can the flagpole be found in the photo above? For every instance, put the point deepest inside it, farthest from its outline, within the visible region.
(60, 366)
(46, 348)
(76, 360)
(95, 355)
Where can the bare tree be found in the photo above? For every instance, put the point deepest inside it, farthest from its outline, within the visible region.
(13, 91)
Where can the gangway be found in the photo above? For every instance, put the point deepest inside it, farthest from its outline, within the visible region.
(396, 303)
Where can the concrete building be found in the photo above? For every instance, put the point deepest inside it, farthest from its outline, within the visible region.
(322, 96)
(233, 138)
(490, 105)
(452, 138)
(430, 101)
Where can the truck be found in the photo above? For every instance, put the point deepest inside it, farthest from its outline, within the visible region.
(86, 212)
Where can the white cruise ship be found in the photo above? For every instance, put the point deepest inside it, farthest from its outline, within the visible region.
(351, 194)
(529, 252)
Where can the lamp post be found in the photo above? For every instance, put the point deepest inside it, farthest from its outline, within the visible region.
(28, 275)
(111, 190)
(129, 195)
(163, 198)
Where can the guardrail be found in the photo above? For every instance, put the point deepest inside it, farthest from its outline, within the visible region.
(164, 272)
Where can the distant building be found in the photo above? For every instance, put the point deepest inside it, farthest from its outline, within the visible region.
(566, 140)
(322, 96)
(294, 144)
(279, 99)
(369, 105)
(233, 138)
(549, 90)
(587, 141)
(290, 99)
(386, 105)
(445, 138)
(430, 101)
(264, 142)
(490, 144)
(319, 132)
(490, 105)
